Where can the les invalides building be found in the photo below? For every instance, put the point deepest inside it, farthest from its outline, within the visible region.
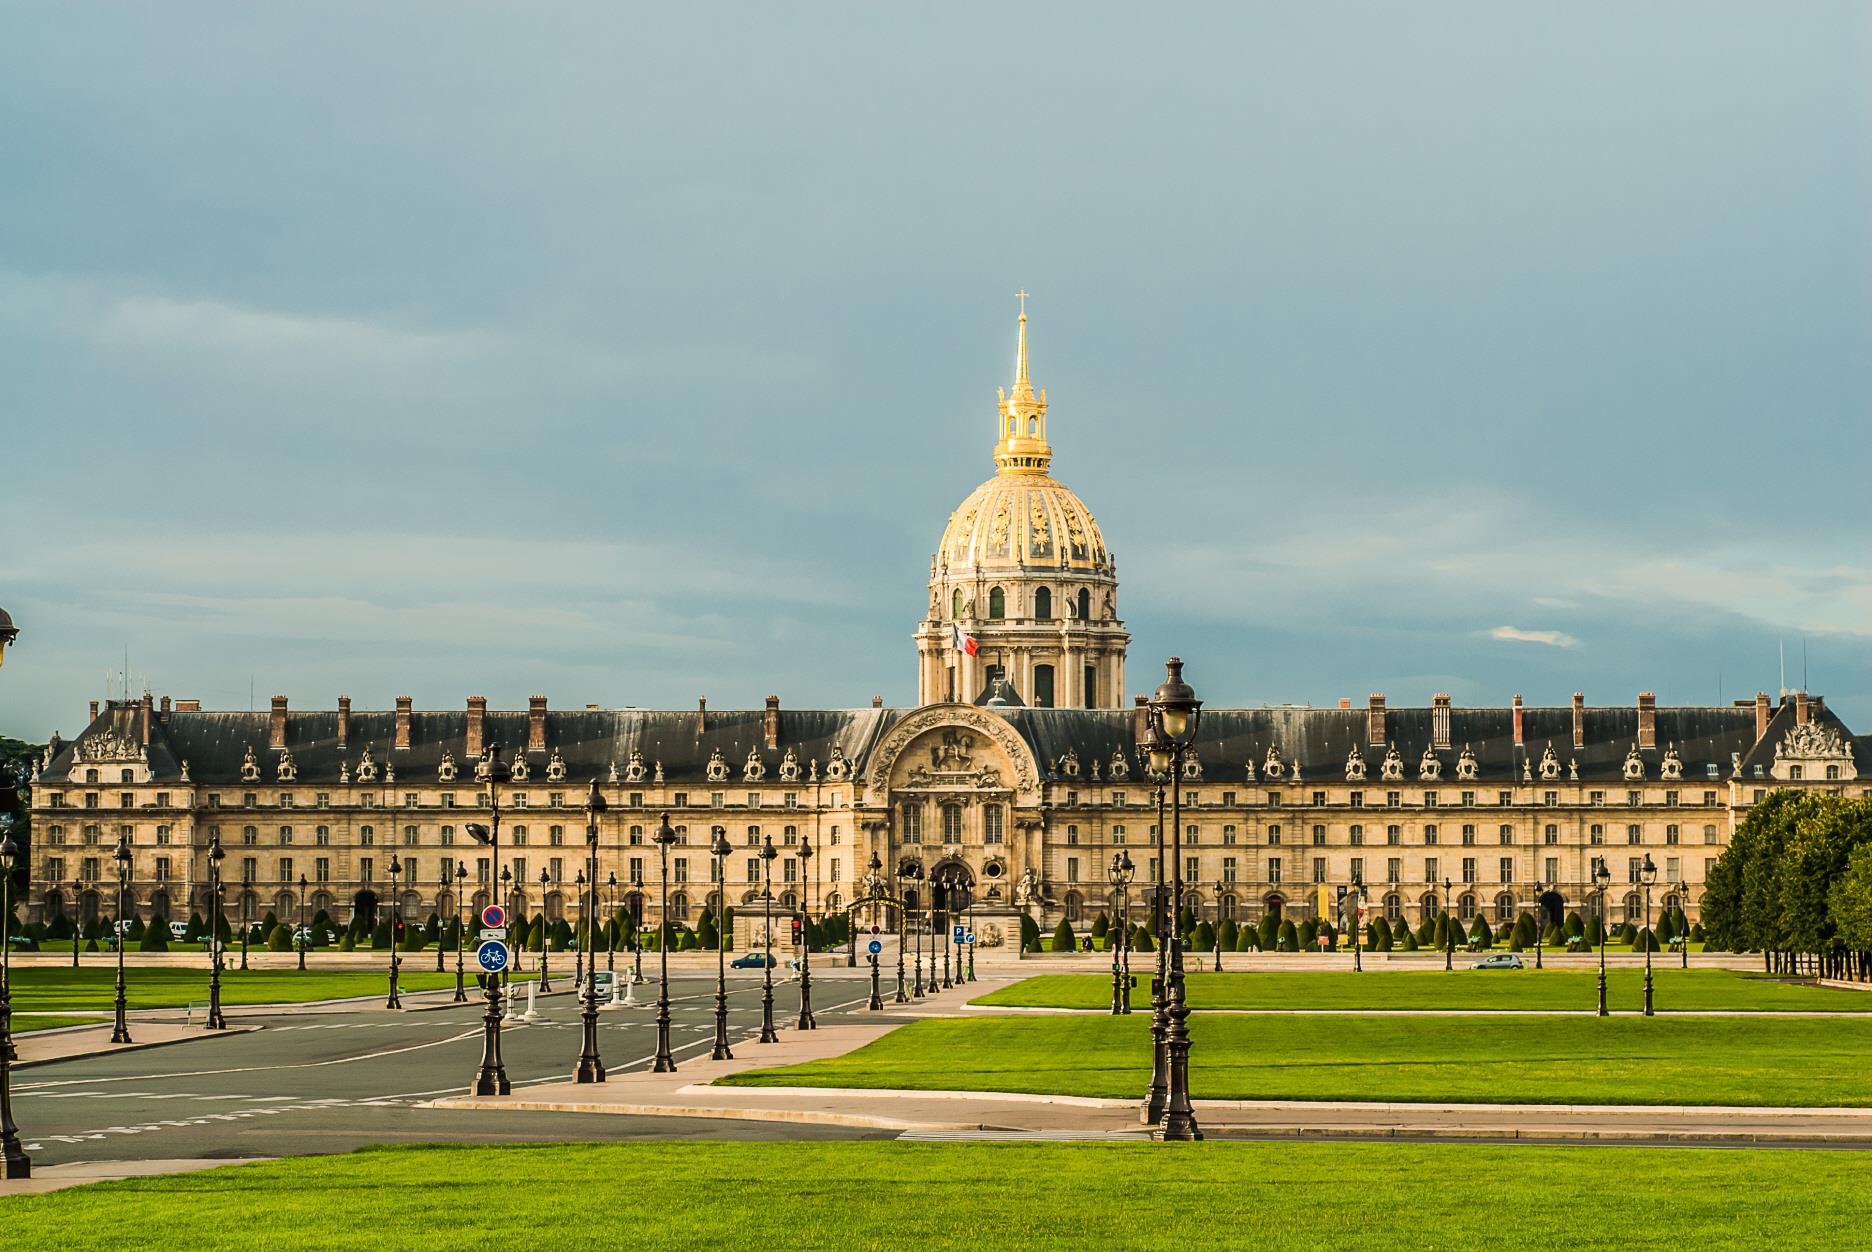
(1013, 783)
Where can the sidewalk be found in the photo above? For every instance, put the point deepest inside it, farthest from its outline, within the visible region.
(42, 1047)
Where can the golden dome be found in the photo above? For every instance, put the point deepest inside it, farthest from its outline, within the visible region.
(1023, 521)
(1023, 518)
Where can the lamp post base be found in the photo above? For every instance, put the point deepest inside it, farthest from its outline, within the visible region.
(767, 1032)
(876, 1004)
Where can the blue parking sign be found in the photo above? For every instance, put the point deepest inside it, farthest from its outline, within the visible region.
(875, 946)
(960, 932)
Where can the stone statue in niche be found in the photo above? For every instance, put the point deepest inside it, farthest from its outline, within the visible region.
(953, 753)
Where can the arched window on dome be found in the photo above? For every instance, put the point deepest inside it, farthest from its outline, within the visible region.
(1033, 425)
(1043, 604)
(997, 603)
(955, 603)
(1085, 604)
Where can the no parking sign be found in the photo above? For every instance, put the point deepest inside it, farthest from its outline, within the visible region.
(493, 915)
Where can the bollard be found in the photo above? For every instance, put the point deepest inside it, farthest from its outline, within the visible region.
(531, 1014)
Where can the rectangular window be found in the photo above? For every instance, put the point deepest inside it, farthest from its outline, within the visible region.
(1550, 798)
(1394, 799)
(1634, 798)
(1319, 799)
(789, 870)
(1192, 869)
(1117, 834)
(1507, 834)
(1274, 834)
(1394, 869)
(1468, 869)
(1595, 797)
(1228, 836)
(1273, 799)
(1634, 867)
(1468, 835)
(1393, 835)
(1597, 834)
(753, 869)
(1430, 835)
(285, 869)
(1319, 836)
(1634, 834)
(1319, 869)
(715, 799)
(1673, 872)
(321, 869)
(1430, 869)
(637, 870)
(1357, 836)
(482, 870)
(250, 869)
(1551, 834)
(162, 869)
(1505, 798)
(1274, 869)
(1228, 869)
(1709, 799)
(913, 823)
(285, 835)
(1552, 877)
(1506, 870)
(1429, 799)
(1709, 834)
(1673, 799)
(1468, 799)
(367, 869)
(1072, 869)
(1357, 799)
(1358, 869)
(1072, 832)
(409, 836)
(1671, 834)
(555, 835)
(322, 836)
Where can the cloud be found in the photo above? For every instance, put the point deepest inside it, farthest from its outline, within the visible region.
(1552, 638)
(149, 321)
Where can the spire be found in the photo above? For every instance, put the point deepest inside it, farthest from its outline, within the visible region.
(1021, 441)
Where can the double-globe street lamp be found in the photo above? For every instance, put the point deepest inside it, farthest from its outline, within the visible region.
(303, 936)
(913, 870)
(1449, 929)
(1157, 1094)
(1174, 714)
(395, 870)
(545, 980)
(215, 922)
(461, 928)
(1539, 889)
(903, 928)
(590, 1065)
(14, 1163)
(1120, 873)
(806, 1021)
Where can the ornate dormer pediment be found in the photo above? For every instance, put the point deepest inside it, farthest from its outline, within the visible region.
(754, 769)
(521, 770)
(1192, 764)
(250, 768)
(1430, 767)
(634, 769)
(1549, 763)
(1354, 765)
(1069, 763)
(1120, 768)
(1393, 767)
(717, 767)
(1272, 767)
(284, 769)
(837, 769)
(1467, 767)
(555, 767)
(109, 748)
(1634, 765)
(1814, 751)
(366, 766)
(789, 766)
(446, 771)
(1672, 767)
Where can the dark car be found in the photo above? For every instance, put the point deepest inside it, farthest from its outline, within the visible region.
(753, 960)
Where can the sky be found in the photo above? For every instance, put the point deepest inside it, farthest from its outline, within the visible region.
(628, 354)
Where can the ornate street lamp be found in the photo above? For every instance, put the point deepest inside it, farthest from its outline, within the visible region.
(719, 849)
(903, 928)
(806, 1021)
(491, 1076)
(1175, 713)
(395, 870)
(1647, 874)
(663, 837)
(578, 947)
(875, 883)
(913, 871)
(1153, 748)
(304, 936)
(1539, 908)
(767, 855)
(590, 1066)
(443, 883)
(76, 929)
(1449, 929)
(120, 1022)
(215, 1020)
(461, 928)
(1602, 879)
(611, 925)
(1120, 874)
(1353, 908)
(246, 925)
(17, 1163)
(545, 981)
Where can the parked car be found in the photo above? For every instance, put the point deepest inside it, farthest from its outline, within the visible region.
(1501, 960)
(753, 960)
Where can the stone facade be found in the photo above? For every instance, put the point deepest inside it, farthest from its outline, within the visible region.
(1014, 782)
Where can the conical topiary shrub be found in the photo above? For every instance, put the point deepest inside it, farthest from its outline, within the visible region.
(1063, 937)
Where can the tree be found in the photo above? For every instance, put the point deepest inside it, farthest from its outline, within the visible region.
(1523, 933)
(1289, 938)
(279, 939)
(1101, 925)
(348, 942)
(1205, 937)
(1269, 933)
(1307, 933)
(1063, 937)
(1427, 932)
(1645, 941)
(1030, 934)
(134, 931)
(1594, 933)
(1387, 938)
(707, 934)
(1228, 934)
(561, 934)
(1247, 939)
(380, 933)
(60, 927)
(156, 935)
(1628, 933)
(1575, 925)
(1479, 934)
(1141, 940)
(1849, 900)
(1410, 939)
(1665, 931)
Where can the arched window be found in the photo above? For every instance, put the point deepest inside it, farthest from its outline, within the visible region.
(1043, 604)
(1043, 686)
(1465, 907)
(997, 603)
(955, 603)
(1033, 425)
(1634, 908)
(1504, 907)
(1085, 604)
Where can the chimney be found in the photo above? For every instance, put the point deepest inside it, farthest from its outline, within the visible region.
(402, 722)
(1344, 702)
(188, 706)
(1140, 718)
(1803, 710)
(1764, 713)
(536, 724)
(148, 709)
(1439, 721)
(877, 702)
(770, 723)
(1374, 718)
(1647, 721)
(1518, 737)
(477, 727)
(276, 724)
(1579, 719)
(344, 721)
(93, 716)
(701, 714)
(165, 708)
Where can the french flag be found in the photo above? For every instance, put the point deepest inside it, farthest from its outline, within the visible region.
(962, 643)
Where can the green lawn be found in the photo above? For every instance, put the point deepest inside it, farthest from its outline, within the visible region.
(62, 989)
(21, 1025)
(1434, 989)
(1809, 1061)
(1036, 1197)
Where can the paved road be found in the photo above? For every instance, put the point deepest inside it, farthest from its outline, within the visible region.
(312, 1082)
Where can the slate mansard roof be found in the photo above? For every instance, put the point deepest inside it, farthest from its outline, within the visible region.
(1709, 742)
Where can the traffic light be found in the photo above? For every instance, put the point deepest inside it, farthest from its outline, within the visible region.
(797, 932)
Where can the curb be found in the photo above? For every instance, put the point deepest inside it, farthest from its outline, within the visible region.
(808, 1117)
(115, 1049)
